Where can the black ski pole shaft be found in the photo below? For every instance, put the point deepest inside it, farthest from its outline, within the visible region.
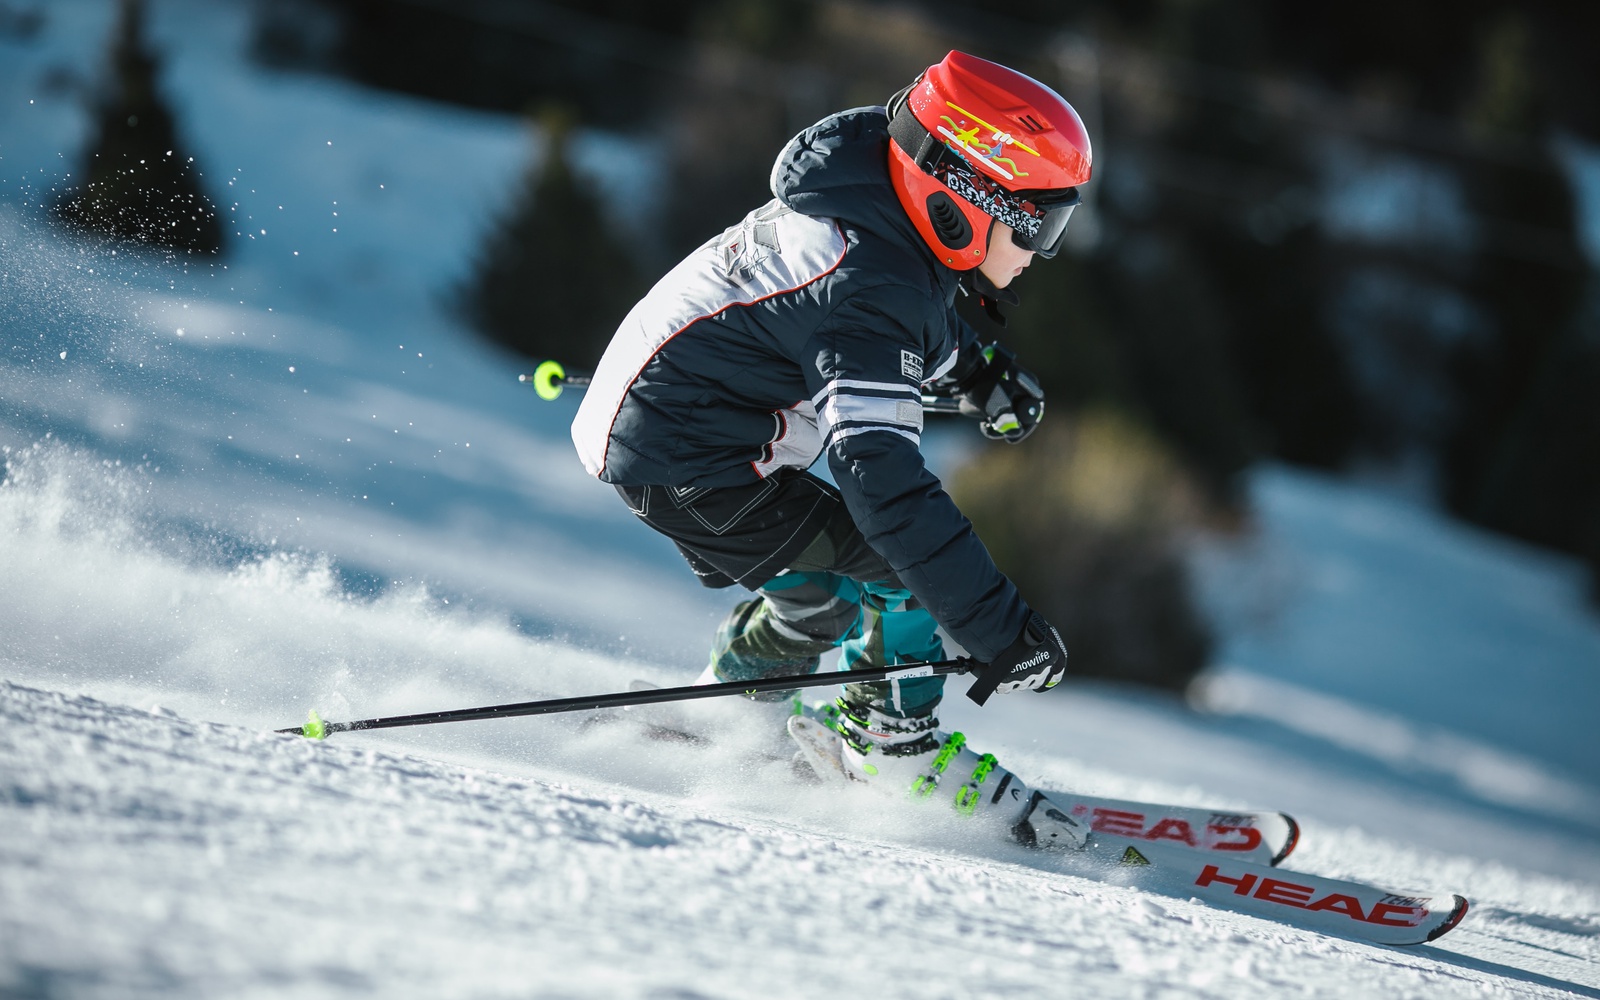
(318, 729)
(551, 378)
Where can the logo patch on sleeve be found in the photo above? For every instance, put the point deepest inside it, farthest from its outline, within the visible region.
(911, 366)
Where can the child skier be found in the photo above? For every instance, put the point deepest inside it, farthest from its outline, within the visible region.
(814, 326)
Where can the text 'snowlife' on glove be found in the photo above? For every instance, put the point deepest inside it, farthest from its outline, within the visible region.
(1036, 661)
(1006, 397)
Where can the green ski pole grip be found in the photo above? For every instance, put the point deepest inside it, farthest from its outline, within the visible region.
(547, 379)
(315, 728)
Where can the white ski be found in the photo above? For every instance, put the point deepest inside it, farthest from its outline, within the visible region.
(1332, 906)
(1224, 857)
(1260, 837)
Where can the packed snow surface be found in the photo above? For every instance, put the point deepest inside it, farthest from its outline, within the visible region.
(157, 855)
(234, 493)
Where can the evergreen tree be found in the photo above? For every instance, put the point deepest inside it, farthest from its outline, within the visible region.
(551, 279)
(138, 183)
(1522, 455)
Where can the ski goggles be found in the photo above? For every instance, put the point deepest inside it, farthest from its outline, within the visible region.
(1037, 219)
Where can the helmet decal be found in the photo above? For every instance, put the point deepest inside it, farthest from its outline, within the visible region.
(990, 153)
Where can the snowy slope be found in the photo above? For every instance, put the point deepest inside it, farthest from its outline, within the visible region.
(231, 495)
(286, 866)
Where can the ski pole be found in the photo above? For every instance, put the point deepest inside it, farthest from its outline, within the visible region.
(551, 377)
(317, 729)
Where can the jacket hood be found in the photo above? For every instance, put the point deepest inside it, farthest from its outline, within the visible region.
(839, 169)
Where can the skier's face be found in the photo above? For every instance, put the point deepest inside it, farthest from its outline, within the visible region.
(1005, 260)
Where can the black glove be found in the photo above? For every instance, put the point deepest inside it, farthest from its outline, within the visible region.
(1036, 661)
(1005, 396)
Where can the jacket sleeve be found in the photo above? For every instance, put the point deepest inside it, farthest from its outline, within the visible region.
(864, 367)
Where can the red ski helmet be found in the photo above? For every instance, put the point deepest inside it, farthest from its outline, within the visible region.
(973, 141)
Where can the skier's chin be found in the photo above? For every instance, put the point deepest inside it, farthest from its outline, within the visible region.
(1007, 278)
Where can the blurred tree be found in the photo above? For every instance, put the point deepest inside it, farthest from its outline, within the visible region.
(759, 72)
(770, 28)
(551, 279)
(138, 182)
(732, 113)
(1206, 285)
(1434, 50)
(1524, 455)
(1091, 329)
(610, 60)
(1086, 518)
(22, 24)
(1237, 192)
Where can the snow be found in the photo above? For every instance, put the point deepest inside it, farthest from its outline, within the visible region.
(321, 494)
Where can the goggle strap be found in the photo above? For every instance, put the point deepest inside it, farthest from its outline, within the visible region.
(914, 140)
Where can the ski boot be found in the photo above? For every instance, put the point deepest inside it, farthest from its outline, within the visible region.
(911, 756)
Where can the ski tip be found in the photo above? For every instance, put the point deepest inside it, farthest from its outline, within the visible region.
(1289, 842)
(1456, 913)
(315, 728)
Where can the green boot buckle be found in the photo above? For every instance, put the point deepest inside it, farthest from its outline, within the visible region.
(967, 796)
(926, 783)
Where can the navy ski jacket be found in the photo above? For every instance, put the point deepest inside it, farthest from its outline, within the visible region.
(810, 326)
